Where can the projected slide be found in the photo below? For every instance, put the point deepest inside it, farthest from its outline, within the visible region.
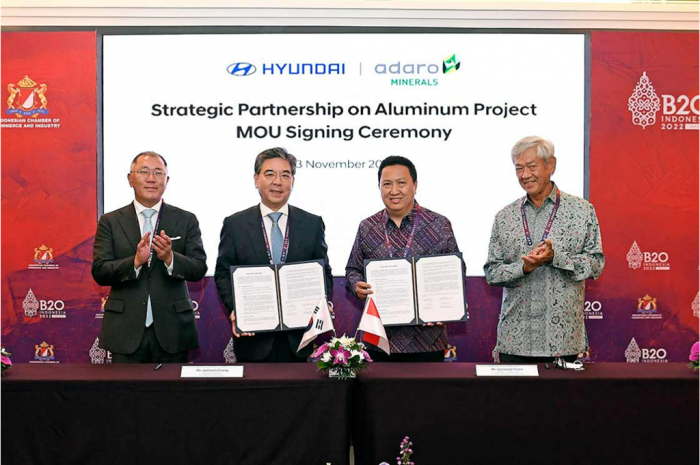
(453, 103)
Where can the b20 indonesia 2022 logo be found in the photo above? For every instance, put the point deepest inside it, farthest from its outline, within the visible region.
(677, 112)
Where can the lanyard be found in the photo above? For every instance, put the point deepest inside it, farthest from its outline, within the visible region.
(407, 249)
(549, 222)
(155, 230)
(285, 244)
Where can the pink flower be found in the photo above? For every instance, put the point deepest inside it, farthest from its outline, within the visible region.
(366, 356)
(340, 356)
(320, 350)
(6, 360)
(695, 352)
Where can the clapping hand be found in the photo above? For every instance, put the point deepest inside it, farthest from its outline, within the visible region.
(163, 247)
(143, 250)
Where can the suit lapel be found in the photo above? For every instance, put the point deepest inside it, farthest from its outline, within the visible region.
(255, 233)
(130, 224)
(167, 220)
(294, 234)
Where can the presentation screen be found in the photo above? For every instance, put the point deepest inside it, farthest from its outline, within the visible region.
(454, 104)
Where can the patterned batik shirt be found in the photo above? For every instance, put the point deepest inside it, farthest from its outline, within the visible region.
(542, 311)
(433, 236)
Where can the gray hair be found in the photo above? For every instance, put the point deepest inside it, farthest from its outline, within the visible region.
(148, 153)
(545, 148)
(277, 152)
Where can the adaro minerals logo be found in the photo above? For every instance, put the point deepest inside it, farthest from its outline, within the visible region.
(677, 112)
(27, 98)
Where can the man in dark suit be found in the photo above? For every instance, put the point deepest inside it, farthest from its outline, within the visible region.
(147, 251)
(243, 242)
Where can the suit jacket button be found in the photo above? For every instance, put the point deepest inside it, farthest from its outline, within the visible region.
(143, 303)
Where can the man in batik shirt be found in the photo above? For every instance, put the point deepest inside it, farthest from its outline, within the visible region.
(411, 231)
(543, 247)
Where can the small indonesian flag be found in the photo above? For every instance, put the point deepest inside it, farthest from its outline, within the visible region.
(371, 324)
(320, 323)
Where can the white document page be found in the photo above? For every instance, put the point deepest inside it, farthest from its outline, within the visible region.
(255, 294)
(392, 283)
(439, 281)
(301, 287)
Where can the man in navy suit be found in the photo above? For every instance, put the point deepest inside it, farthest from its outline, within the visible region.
(257, 236)
(147, 251)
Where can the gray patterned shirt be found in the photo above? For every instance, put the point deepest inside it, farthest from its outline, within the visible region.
(542, 311)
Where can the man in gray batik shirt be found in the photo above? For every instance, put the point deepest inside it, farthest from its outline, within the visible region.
(543, 246)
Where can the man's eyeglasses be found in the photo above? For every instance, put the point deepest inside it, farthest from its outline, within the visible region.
(145, 173)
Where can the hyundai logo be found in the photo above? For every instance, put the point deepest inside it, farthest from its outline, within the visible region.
(241, 69)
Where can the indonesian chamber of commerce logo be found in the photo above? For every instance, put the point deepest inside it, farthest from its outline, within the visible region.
(43, 259)
(636, 354)
(27, 98)
(650, 261)
(646, 309)
(44, 353)
(678, 112)
(99, 356)
(44, 308)
(101, 314)
(695, 306)
(644, 103)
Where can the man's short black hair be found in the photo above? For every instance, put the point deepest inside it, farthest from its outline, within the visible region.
(398, 160)
(277, 152)
(149, 154)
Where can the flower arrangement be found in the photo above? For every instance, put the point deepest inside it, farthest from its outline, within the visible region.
(404, 457)
(341, 357)
(694, 356)
(6, 362)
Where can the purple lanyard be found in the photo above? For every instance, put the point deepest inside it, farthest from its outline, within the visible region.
(285, 244)
(407, 249)
(150, 256)
(549, 223)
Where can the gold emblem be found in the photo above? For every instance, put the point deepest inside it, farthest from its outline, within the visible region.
(27, 98)
(43, 254)
(43, 350)
(646, 303)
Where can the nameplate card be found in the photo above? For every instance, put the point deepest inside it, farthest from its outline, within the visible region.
(507, 370)
(193, 371)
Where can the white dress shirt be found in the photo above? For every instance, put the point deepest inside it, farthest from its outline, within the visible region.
(154, 220)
